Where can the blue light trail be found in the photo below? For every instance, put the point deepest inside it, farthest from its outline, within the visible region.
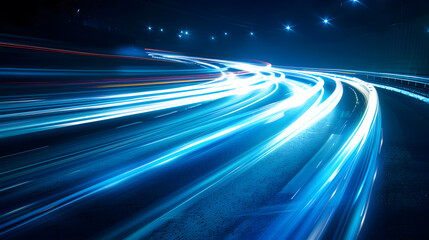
(165, 121)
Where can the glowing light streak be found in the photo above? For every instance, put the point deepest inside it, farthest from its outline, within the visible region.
(250, 96)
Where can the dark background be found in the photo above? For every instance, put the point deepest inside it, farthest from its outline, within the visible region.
(376, 35)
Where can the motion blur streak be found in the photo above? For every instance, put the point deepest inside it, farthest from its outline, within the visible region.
(317, 196)
(150, 127)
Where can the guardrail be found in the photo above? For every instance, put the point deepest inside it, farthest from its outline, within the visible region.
(412, 83)
(417, 86)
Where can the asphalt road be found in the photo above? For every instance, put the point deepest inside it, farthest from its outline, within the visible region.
(166, 145)
(400, 206)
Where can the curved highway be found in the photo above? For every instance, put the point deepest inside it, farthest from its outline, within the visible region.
(183, 147)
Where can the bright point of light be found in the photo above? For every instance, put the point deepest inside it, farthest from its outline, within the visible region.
(162, 29)
(180, 35)
(212, 37)
(186, 32)
(325, 21)
(251, 34)
(181, 31)
(355, 1)
(226, 34)
(288, 27)
(149, 28)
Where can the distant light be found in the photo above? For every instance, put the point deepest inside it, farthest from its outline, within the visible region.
(326, 21)
(186, 32)
(149, 28)
(226, 34)
(288, 28)
(162, 29)
(252, 34)
(212, 38)
(356, 2)
(181, 31)
(180, 35)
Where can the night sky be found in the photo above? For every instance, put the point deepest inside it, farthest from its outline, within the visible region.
(377, 35)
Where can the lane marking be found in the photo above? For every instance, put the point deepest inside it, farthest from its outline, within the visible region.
(163, 115)
(31, 150)
(126, 125)
(14, 186)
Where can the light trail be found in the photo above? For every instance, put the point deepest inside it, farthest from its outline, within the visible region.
(154, 127)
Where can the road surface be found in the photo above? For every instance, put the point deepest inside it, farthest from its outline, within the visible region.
(173, 146)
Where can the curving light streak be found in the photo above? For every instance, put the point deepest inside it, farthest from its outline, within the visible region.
(317, 197)
(223, 101)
